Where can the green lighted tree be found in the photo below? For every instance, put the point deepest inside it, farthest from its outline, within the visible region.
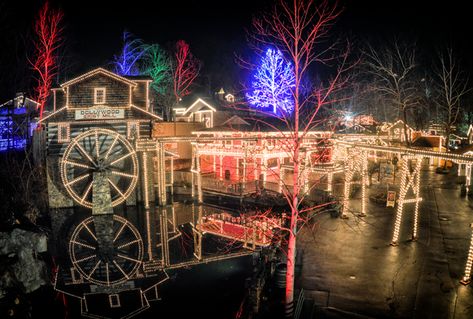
(157, 64)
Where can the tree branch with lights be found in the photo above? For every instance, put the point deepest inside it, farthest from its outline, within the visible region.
(298, 31)
(48, 31)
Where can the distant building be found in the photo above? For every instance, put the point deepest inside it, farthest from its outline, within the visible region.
(430, 143)
(469, 134)
(395, 132)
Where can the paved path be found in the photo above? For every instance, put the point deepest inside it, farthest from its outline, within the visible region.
(351, 271)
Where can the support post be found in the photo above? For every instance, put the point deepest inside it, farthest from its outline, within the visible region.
(347, 188)
(197, 234)
(468, 177)
(416, 188)
(199, 180)
(364, 179)
(145, 184)
(164, 237)
(467, 276)
(400, 206)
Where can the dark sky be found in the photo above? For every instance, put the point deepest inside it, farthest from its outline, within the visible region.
(216, 29)
(212, 26)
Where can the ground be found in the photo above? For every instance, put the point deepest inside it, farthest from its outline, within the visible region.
(350, 270)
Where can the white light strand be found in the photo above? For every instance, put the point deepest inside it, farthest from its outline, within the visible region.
(417, 199)
(469, 262)
(402, 195)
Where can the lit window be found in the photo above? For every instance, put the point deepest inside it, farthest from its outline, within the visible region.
(63, 133)
(99, 96)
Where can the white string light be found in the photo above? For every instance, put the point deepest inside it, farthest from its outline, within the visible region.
(469, 262)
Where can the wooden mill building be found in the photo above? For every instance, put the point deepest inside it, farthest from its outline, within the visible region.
(100, 121)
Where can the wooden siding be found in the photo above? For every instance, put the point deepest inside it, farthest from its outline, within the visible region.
(57, 149)
(81, 94)
(139, 95)
(60, 99)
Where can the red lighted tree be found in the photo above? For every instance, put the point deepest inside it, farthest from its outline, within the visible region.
(185, 70)
(48, 32)
(299, 29)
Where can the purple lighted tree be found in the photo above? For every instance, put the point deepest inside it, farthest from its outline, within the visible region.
(272, 84)
(126, 63)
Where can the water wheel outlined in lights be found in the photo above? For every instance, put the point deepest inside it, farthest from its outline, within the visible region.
(106, 265)
(99, 150)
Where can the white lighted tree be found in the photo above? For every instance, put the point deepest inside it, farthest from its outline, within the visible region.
(273, 83)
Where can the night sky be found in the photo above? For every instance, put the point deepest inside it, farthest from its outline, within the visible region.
(216, 29)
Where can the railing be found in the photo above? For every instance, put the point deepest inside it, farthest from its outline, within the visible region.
(229, 187)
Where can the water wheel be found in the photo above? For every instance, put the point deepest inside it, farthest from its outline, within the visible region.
(106, 265)
(99, 150)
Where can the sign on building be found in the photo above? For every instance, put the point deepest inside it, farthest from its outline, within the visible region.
(100, 113)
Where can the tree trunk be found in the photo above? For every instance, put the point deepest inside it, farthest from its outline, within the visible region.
(291, 249)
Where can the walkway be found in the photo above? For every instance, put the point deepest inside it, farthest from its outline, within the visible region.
(351, 271)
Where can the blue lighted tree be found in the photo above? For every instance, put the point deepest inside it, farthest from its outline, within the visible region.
(272, 84)
(126, 63)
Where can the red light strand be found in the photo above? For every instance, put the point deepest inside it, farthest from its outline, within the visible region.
(48, 40)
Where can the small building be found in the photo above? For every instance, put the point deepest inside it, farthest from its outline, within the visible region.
(18, 118)
(244, 154)
(439, 129)
(469, 134)
(431, 143)
(396, 132)
(199, 111)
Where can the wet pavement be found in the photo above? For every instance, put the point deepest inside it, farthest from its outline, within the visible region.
(350, 270)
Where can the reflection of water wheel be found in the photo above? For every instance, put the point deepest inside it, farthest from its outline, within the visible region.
(106, 266)
(99, 150)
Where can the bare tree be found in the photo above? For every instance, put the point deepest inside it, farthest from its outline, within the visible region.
(450, 85)
(185, 70)
(299, 29)
(392, 70)
(48, 31)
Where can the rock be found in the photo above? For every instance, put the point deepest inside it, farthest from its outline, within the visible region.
(22, 247)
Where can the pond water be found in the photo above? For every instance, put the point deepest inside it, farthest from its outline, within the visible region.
(212, 290)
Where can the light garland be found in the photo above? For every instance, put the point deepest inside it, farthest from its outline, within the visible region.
(414, 183)
(469, 262)
(68, 162)
(94, 72)
(352, 165)
(145, 179)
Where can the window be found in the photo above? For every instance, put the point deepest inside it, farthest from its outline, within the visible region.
(114, 300)
(63, 132)
(99, 96)
(133, 130)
